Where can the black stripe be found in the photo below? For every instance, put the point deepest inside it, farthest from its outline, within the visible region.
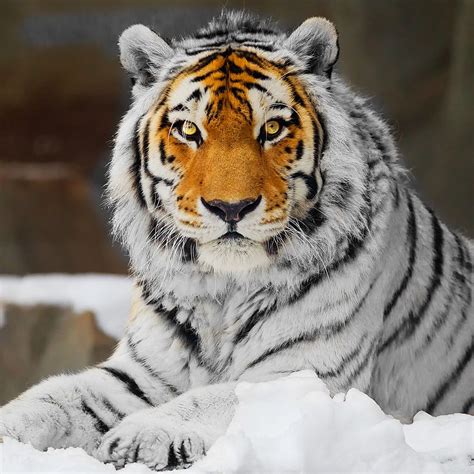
(145, 365)
(318, 141)
(262, 46)
(131, 385)
(162, 151)
(338, 326)
(440, 320)
(113, 409)
(310, 181)
(342, 191)
(145, 151)
(354, 248)
(99, 424)
(205, 75)
(412, 242)
(468, 405)
(164, 121)
(326, 332)
(463, 276)
(185, 332)
(256, 85)
(155, 197)
(347, 359)
(256, 317)
(256, 60)
(206, 48)
(113, 445)
(179, 108)
(189, 250)
(256, 74)
(453, 378)
(158, 232)
(233, 68)
(136, 167)
(313, 220)
(210, 34)
(299, 150)
(362, 365)
(144, 154)
(456, 280)
(409, 325)
(196, 95)
(220, 90)
(203, 62)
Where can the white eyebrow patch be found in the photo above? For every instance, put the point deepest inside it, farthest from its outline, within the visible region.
(188, 102)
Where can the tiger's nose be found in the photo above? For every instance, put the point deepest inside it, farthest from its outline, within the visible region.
(231, 212)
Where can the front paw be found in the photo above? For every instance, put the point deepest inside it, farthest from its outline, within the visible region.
(157, 443)
(31, 422)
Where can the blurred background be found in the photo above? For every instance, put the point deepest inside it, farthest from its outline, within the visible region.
(63, 93)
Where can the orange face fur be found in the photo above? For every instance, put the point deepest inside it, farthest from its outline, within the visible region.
(229, 98)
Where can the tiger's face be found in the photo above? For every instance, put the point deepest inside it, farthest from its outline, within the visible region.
(229, 156)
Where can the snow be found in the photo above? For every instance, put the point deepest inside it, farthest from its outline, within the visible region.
(287, 425)
(294, 425)
(108, 296)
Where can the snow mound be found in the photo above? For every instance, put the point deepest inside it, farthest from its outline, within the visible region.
(107, 296)
(294, 425)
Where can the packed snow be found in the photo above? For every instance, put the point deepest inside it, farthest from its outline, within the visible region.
(107, 296)
(287, 425)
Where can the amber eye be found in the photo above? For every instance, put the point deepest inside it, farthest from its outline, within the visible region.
(188, 129)
(272, 127)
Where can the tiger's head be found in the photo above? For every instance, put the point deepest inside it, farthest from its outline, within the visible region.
(221, 151)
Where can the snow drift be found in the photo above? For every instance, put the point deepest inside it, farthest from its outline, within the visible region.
(294, 425)
(288, 425)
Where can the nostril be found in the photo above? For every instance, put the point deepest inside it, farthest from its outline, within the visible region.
(214, 208)
(250, 206)
(231, 212)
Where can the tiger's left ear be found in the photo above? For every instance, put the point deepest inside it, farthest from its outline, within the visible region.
(316, 41)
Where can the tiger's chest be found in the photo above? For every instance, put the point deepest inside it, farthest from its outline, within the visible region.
(220, 328)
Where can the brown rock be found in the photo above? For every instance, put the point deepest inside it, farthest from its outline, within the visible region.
(42, 340)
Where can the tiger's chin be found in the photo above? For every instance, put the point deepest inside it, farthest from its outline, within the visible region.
(233, 256)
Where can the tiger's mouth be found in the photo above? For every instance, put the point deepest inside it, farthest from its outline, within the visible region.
(232, 235)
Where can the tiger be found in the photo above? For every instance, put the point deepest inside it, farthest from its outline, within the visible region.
(271, 228)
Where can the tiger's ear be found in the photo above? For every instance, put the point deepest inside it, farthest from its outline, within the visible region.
(142, 53)
(316, 41)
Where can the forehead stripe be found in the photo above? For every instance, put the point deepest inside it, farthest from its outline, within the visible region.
(195, 95)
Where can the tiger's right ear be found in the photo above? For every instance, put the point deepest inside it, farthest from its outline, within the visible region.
(142, 53)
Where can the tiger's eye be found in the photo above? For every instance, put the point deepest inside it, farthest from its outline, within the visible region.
(272, 127)
(188, 128)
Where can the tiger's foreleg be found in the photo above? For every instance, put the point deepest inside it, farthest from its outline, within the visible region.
(174, 434)
(70, 410)
(77, 410)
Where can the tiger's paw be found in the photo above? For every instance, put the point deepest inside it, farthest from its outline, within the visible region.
(157, 443)
(30, 423)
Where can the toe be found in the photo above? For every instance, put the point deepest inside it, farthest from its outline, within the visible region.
(188, 448)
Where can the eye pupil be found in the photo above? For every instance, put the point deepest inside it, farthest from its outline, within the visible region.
(272, 127)
(188, 128)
